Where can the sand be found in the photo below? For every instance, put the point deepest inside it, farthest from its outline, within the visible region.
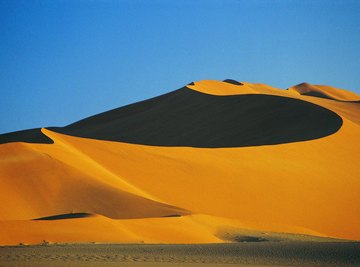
(324, 91)
(238, 254)
(192, 119)
(180, 194)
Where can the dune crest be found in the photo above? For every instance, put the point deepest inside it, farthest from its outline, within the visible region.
(348, 109)
(219, 88)
(50, 180)
(324, 91)
(92, 188)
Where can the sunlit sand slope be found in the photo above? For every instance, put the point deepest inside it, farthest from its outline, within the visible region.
(188, 229)
(324, 91)
(158, 193)
(37, 183)
(235, 88)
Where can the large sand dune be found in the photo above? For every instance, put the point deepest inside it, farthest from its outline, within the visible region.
(211, 162)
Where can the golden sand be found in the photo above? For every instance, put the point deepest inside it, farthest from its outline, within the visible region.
(310, 187)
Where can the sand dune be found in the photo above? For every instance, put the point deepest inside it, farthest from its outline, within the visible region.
(212, 162)
(189, 118)
(184, 230)
(324, 91)
(42, 183)
(187, 229)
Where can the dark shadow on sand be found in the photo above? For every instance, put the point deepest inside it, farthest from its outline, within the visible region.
(189, 118)
(231, 81)
(28, 136)
(321, 95)
(64, 216)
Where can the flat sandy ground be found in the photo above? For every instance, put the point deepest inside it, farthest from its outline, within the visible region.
(230, 254)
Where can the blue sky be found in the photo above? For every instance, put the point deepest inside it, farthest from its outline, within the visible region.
(61, 61)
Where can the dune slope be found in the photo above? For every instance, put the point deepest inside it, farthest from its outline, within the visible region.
(266, 160)
(42, 183)
(189, 118)
(324, 91)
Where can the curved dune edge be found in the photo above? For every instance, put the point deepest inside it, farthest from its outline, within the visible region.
(193, 116)
(192, 119)
(324, 91)
(185, 174)
(184, 118)
(219, 88)
(188, 229)
(38, 182)
(346, 109)
(29, 136)
(214, 87)
(309, 187)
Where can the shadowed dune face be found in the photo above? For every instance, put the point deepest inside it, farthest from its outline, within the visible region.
(322, 95)
(190, 118)
(160, 192)
(28, 136)
(317, 94)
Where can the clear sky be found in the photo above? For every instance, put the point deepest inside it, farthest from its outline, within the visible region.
(61, 61)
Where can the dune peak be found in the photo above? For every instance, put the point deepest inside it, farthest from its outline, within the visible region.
(210, 162)
(324, 91)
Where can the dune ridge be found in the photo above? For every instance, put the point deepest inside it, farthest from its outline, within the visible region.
(190, 118)
(195, 119)
(59, 186)
(325, 91)
(184, 194)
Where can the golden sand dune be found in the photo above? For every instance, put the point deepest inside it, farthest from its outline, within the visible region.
(38, 183)
(225, 88)
(185, 229)
(324, 91)
(348, 109)
(296, 172)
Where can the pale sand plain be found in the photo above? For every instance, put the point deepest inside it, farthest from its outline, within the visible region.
(231, 254)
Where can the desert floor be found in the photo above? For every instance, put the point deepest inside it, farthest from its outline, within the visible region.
(227, 254)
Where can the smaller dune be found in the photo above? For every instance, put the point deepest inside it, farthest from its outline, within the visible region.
(324, 91)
